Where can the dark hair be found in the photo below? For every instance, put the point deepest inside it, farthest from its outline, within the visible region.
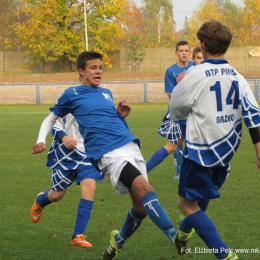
(85, 56)
(215, 36)
(196, 50)
(181, 43)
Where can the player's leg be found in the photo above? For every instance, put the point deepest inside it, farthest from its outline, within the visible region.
(132, 222)
(186, 231)
(54, 194)
(87, 178)
(129, 174)
(172, 132)
(204, 227)
(196, 182)
(145, 202)
(156, 158)
(145, 197)
(178, 158)
(178, 153)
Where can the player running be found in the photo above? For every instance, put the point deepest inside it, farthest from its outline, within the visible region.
(69, 162)
(214, 98)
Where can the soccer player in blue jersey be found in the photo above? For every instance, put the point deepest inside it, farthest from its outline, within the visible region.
(214, 98)
(69, 162)
(111, 148)
(168, 128)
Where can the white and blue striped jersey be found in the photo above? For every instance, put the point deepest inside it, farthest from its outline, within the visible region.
(214, 98)
(59, 156)
(101, 127)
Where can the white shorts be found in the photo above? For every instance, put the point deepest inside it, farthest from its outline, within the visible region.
(113, 163)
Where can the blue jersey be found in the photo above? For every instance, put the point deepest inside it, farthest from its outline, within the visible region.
(214, 98)
(60, 157)
(101, 127)
(171, 74)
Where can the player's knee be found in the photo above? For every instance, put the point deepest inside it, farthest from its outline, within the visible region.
(56, 195)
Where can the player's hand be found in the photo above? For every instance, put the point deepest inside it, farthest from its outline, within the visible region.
(181, 76)
(38, 148)
(69, 142)
(123, 108)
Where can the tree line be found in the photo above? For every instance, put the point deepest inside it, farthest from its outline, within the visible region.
(51, 30)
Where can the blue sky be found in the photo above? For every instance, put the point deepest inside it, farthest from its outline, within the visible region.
(184, 8)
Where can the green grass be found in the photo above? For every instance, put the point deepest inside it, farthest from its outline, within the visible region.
(23, 176)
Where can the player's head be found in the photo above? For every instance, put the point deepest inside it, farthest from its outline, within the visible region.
(90, 68)
(197, 55)
(214, 37)
(182, 51)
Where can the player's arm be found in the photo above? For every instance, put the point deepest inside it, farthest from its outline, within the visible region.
(123, 108)
(180, 103)
(181, 76)
(255, 137)
(46, 127)
(169, 83)
(58, 134)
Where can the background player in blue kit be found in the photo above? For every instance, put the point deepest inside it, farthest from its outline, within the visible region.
(69, 162)
(214, 98)
(168, 128)
(110, 146)
(197, 56)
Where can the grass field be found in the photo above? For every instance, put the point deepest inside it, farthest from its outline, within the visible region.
(23, 176)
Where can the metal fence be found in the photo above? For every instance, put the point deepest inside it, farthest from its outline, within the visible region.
(132, 91)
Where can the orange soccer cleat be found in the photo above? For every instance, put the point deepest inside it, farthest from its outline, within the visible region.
(80, 240)
(36, 210)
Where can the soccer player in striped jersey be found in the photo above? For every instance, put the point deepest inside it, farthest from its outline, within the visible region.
(214, 98)
(168, 128)
(111, 147)
(69, 162)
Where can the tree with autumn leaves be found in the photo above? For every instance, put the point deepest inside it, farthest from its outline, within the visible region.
(244, 21)
(52, 30)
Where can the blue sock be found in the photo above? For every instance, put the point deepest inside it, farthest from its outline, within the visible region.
(178, 158)
(185, 225)
(158, 215)
(43, 200)
(208, 233)
(132, 223)
(84, 212)
(156, 158)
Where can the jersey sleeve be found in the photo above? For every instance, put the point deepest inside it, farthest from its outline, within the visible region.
(180, 104)
(64, 105)
(46, 127)
(250, 109)
(169, 81)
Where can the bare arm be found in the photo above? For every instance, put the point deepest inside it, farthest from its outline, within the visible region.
(257, 149)
(255, 137)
